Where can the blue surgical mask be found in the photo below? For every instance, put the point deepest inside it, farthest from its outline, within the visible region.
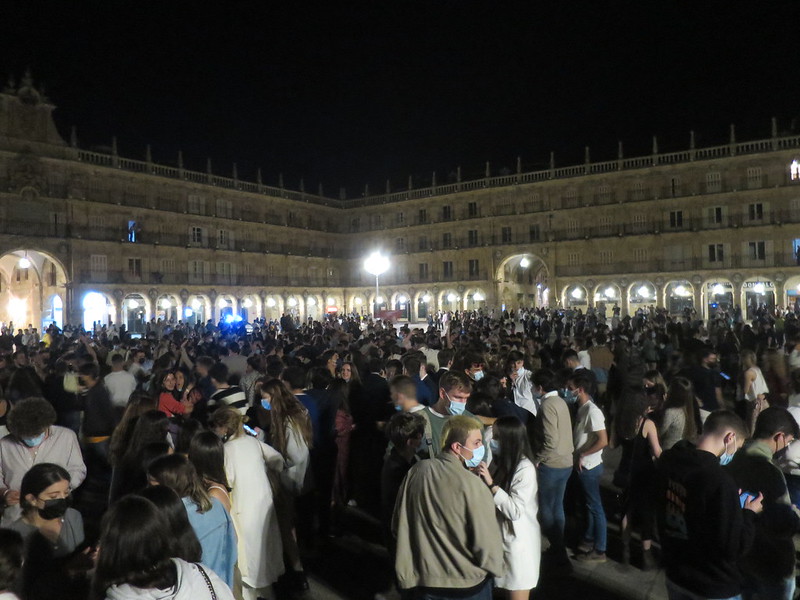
(726, 458)
(477, 456)
(494, 446)
(35, 441)
(398, 408)
(266, 404)
(570, 396)
(457, 408)
(478, 375)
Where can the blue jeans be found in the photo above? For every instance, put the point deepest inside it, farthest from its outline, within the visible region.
(596, 517)
(483, 592)
(768, 590)
(552, 485)
(676, 592)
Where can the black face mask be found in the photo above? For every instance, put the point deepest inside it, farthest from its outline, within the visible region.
(55, 508)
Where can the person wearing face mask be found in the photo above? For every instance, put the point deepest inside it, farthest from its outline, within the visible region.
(769, 565)
(454, 390)
(705, 530)
(448, 540)
(553, 449)
(33, 439)
(589, 437)
(51, 530)
(521, 385)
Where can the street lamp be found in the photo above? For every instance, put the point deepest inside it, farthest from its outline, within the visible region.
(525, 262)
(376, 264)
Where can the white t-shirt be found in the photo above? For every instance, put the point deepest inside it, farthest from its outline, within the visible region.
(588, 420)
(120, 386)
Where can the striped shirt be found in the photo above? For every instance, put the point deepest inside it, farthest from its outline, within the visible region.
(232, 396)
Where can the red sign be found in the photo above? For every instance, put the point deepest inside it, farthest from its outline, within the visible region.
(390, 315)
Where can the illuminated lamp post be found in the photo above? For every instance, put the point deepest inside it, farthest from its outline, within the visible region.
(376, 264)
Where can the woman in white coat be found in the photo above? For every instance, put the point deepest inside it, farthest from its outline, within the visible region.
(247, 462)
(512, 480)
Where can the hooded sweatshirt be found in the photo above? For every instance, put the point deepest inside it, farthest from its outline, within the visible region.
(704, 530)
(191, 585)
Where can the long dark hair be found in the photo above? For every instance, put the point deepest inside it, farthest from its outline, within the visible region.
(512, 437)
(207, 454)
(189, 429)
(135, 548)
(38, 479)
(152, 426)
(184, 540)
(138, 403)
(634, 408)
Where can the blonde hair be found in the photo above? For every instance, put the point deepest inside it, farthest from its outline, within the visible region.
(748, 359)
(457, 429)
(230, 420)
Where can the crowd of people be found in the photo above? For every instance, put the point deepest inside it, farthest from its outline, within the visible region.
(207, 461)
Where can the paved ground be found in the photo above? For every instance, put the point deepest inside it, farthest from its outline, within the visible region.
(355, 565)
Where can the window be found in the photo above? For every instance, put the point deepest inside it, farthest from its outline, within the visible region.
(423, 243)
(472, 209)
(196, 205)
(377, 221)
(222, 238)
(571, 199)
(606, 227)
(196, 270)
(168, 265)
(534, 234)
(197, 236)
(355, 224)
(675, 186)
(135, 267)
(794, 170)
(756, 211)
(473, 267)
(716, 253)
(640, 255)
(638, 191)
(52, 275)
(604, 194)
(447, 240)
(572, 226)
(447, 212)
(639, 223)
(472, 237)
(224, 270)
(757, 250)
(713, 182)
(755, 178)
(447, 269)
(676, 219)
(98, 263)
(573, 259)
(291, 218)
(96, 222)
(133, 231)
(505, 234)
(400, 218)
(606, 257)
(400, 244)
(715, 215)
(423, 271)
(224, 208)
(422, 217)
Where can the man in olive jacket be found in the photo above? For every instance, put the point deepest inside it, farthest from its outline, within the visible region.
(448, 539)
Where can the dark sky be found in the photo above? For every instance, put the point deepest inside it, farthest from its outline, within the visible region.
(348, 93)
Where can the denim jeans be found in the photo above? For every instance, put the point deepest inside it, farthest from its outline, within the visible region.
(552, 485)
(676, 592)
(596, 516)
(782, 589)
(484, 592)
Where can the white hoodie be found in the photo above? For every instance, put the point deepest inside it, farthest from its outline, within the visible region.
(191, 585)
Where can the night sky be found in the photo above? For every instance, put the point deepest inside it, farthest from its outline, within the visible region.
(348, 93)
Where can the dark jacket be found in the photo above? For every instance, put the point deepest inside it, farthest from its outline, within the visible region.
(771, 558)
(704, 531)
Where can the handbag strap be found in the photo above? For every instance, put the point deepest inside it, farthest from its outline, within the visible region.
(208, 581)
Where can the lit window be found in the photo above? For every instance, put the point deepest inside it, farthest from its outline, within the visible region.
(794, 169)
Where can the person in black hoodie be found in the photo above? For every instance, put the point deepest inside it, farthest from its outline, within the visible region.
(704, 529)
(769, 565)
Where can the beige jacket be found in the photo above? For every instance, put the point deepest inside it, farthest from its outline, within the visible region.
(444, 521)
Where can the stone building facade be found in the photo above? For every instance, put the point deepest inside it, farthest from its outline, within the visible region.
(88, 236)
